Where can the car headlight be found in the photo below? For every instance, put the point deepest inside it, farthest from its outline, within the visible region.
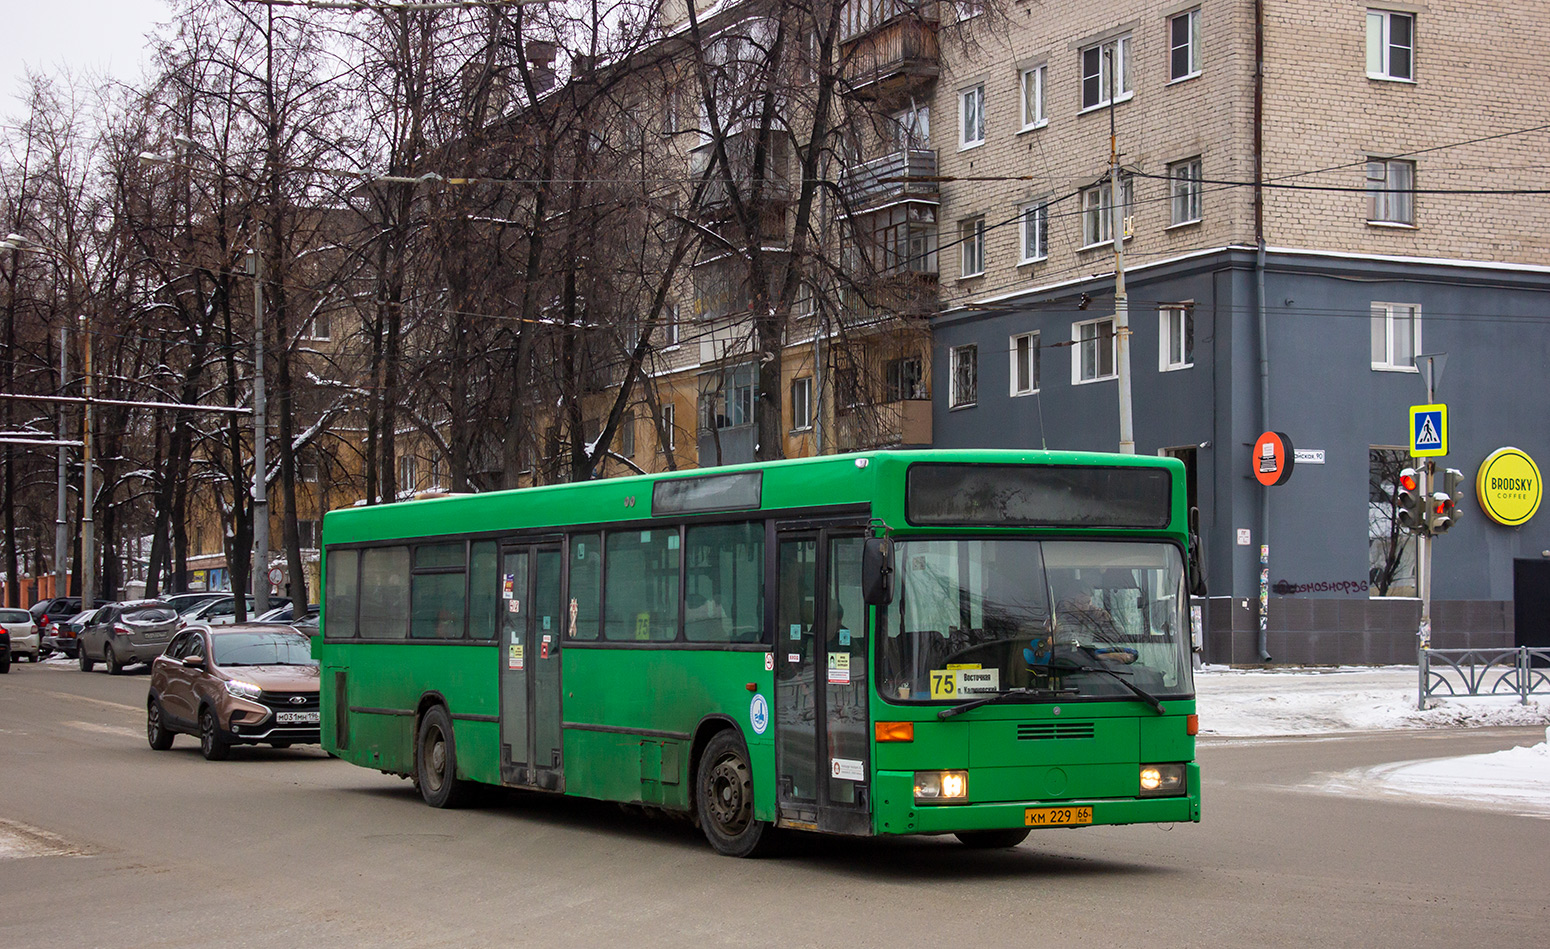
(1162, 780)
(941, 785)
(244, 690)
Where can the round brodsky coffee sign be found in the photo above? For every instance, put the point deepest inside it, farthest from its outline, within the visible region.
(1509, 486)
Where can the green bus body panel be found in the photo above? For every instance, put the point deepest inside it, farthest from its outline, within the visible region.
(632, 712)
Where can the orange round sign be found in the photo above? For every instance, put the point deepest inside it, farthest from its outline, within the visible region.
(1272, 459)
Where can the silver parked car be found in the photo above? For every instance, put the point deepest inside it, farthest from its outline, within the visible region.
(222, 611)
(122, 634)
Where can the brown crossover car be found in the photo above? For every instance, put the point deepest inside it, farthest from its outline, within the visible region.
(234, 685)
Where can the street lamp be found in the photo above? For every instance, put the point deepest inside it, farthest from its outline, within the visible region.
(18, 242)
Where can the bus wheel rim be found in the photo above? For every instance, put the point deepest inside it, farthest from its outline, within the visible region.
(728, 794)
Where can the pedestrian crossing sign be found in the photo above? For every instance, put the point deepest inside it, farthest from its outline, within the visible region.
(1428, 430)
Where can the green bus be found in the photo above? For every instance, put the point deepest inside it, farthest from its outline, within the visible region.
(895, 642)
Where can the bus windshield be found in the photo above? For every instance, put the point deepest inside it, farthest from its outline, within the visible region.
(973, 617)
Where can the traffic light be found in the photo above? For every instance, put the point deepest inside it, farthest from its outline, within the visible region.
(1443, 510)
(1411, 508)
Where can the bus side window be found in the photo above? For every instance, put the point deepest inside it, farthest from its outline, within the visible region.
(340, 599)
(642, 586)
(724, 589)
(586, 586)
(384, 611)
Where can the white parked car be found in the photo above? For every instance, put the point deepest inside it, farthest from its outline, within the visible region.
(26, 640)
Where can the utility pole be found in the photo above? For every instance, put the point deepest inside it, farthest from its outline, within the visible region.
(260, 428)
(88, 528)
(1127, 437)
(61, 530)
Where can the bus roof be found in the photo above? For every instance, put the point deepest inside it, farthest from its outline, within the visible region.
(796, 483)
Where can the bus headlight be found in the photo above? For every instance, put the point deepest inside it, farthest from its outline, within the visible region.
(1161, 780)
(941, 785)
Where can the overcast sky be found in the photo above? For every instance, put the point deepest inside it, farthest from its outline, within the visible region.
(100, 35)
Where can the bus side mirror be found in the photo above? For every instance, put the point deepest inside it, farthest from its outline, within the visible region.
(877, 571)
(1197, 574)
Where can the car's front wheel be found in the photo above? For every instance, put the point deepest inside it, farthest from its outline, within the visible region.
(212, 744)
(155, 731)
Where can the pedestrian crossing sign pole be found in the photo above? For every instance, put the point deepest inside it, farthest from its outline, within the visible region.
(1428, 430)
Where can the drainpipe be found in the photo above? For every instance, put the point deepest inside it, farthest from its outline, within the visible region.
(1259, 299)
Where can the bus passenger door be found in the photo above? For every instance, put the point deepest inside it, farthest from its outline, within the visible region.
(530, 667)
(821, 721)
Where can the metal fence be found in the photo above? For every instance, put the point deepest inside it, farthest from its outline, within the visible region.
(1522, 671)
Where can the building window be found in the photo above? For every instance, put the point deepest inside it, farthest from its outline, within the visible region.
(669, 324)
(1093, 352)
(1033, 98)
(802, 404)
(1098, 211)
(971, 239)
(1390, 45)
(669, 427)
(318, 327)
(1025, 364)
(1184, 46)
(407, 472)
(1176, 330)
(971, 116)
(1184, 188)
(904, 379)
(1390, 191)
(1106, 72)
(1396, 335)
(307, 534)
(901, 238)
(627, 435)
(1390, 550)
(1035, 232)
(912, 128)
(307, 471)
(964, 366)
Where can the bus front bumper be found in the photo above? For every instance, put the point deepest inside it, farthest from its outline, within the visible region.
(895, 810)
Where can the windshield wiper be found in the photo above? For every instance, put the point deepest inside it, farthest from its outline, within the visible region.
(1000, 697)
(1065, 668)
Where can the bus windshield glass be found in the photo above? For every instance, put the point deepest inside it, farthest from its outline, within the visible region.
(1063, 618)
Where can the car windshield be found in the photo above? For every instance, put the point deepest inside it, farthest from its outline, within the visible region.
(149, 615)
(81, 617)
(975, 617)
(276, 648)
(15, 616)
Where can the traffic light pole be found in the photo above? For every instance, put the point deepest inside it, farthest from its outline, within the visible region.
(1423, 560)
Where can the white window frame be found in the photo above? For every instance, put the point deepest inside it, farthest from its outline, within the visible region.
(1098, 211)
(670, 326)
(1380, 45)
(1191, 18)
(971, 244)
(955, 367)
(802, 422)
(312, 327)
(627, 434)
(1025, 357)
(1124, 91)
(1390, 202)
(1184, 192)
(670, 425)
(1099, 340)
(1175, 325)
(971, 116)
(1030, 84)
(1033, 231)
(1383, 315)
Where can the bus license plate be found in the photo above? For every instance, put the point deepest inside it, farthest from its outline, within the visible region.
(296, 718)
(1057, 816)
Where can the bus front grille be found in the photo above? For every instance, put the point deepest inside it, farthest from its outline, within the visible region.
(1053, 731)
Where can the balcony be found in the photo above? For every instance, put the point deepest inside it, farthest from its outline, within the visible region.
(903, 424)
(895, 52)
(883, 180)
(774, 190)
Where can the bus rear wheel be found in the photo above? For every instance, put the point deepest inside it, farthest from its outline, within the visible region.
(435, 761)
(724, 799)
(992, 839)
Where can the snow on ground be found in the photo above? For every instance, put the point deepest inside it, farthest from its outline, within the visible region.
(1295, 701)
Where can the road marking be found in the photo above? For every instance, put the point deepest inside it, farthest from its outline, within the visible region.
(22, 840)
(82, 698)
(117, 731)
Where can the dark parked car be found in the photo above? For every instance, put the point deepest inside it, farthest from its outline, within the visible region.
(61, 636)
(5, 651)
(234, 685)
(122, 634)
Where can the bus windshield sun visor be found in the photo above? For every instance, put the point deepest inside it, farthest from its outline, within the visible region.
(1039, 496)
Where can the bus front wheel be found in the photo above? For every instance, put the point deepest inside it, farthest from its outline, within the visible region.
(724, 799)
(435, 761)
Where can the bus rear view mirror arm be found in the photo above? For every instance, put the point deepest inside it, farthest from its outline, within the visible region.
(877, 571)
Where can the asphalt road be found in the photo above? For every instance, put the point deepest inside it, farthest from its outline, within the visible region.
(104, 842)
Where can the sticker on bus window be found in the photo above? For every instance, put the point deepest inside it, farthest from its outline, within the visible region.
(574, 609)
(847, 769)
(514, 656)
(844, 636)
(642, 626)
(581, 551)
(672, 541)
(796, 630)
(547, 620)
(793, 657)
(839, 668)
(509, 586)
(645, 537)
(769, 662)
(514, 606)
(953, 681)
